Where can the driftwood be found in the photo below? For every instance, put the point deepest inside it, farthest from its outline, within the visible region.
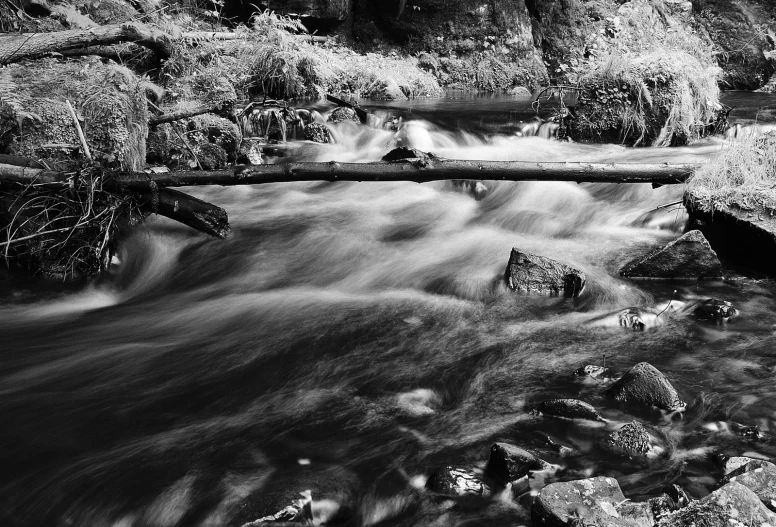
(18, 46)
(420, 171)
(188, 210)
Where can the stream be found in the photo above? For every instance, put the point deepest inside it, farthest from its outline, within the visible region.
(351, 338)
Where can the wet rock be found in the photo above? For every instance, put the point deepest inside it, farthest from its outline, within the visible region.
(631, 440)
(594, 372)
(317, 132)
(677, 495)
(689, 256)
(509, 463)
(729, 464)
(343, 114)
(731, 505)
(475, 189)
(595, 501)
(571, 408)
(536, 274)
(457, 481)
(644, 384)
(633, 318)
(716, 310)
(760, 477)
(332, 493)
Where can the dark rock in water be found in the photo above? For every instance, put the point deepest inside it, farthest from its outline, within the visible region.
(677, 494)
(536, 274)
(594, 372)
(731, 505)
(630, 440)
(644, 384)
(317, 132)
(759, 477)
(571, 408)
(457, 481)
(333, 493)
(475, 189)
(717, 310)
(596, 501)
(403, 153)
(343, 114)
(689, 256)
(509, 463)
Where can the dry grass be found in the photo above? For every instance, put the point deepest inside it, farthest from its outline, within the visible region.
(743, 174)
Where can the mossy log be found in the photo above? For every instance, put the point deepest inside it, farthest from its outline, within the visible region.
(183, 114)
(417, 170)
(15, 47)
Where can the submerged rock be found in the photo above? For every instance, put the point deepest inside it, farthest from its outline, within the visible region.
(644, 384)
(509, 463)
(689, 256)
(717, 310)
(536, 274)
(731, 505)
(457, 481)
(631, 440)
(570, 408)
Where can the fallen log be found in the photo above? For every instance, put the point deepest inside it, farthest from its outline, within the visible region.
(18, 46)
(188, 210)
(417, 170)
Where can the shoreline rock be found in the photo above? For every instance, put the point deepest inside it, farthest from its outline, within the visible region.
(688, 257)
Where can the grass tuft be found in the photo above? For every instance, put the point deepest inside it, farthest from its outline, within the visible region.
(742, 175)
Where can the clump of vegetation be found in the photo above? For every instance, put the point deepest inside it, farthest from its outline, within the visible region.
(645, 82)
(63, 234)
(742, 175)
(274, 59)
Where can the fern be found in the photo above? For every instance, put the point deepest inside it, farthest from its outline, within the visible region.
(10, 98)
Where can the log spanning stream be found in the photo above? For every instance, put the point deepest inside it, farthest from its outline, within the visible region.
(351, 338)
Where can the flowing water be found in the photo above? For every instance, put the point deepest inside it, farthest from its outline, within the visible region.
(350, 338)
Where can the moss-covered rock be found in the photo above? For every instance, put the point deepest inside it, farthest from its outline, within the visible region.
(217, 130)
(109, 100)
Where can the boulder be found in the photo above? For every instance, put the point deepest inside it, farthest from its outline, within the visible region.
(595, 501)
(570, 408)
(731, 505)
(716, 310)
(509, 463)
(758, 476)
(536, 274)
(317, 132)
(645, 385)
(343, 114)
(457, 481)
(689, 256)
(729, 464)
(631, 440)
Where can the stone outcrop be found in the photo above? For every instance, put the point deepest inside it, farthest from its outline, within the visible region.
(532, 273)
(689, 256)
(733, 504)
(595, 501)
(646, 385)
(758, 476)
